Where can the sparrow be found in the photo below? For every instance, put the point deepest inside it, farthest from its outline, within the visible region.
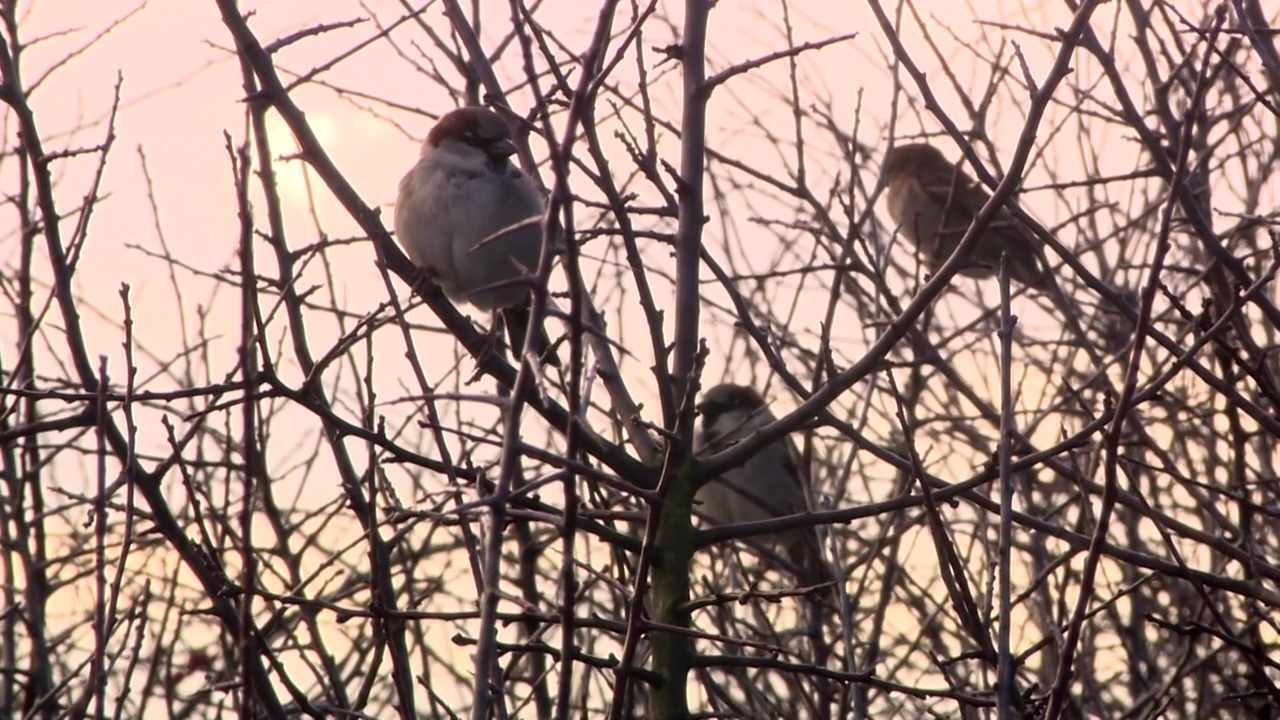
(768, 485)
(934, 202)
(470, 219)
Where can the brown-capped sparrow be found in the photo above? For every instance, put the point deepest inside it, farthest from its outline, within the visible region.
(934, 202)
(469, 218)
(768, 485)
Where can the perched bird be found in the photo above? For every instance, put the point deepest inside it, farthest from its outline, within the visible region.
(470, 219)
(934, 202)
(768, 485)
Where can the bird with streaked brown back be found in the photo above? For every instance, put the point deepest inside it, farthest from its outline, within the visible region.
(934, 202)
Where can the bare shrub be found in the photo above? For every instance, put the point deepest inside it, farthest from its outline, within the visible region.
(299, 483)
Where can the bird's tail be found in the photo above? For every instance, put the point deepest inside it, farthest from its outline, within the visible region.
(814, 571)
(517, 320)
(806, 555)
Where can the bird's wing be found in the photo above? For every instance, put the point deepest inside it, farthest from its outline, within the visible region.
(791, 463)
(964, 197)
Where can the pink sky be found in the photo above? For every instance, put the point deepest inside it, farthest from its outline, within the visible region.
(181, 94)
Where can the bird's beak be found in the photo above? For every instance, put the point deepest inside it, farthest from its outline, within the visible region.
(502, 148)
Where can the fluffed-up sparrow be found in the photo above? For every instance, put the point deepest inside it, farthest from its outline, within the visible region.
(469, 218)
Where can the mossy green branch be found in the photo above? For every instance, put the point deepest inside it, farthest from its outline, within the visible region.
(673, 652)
